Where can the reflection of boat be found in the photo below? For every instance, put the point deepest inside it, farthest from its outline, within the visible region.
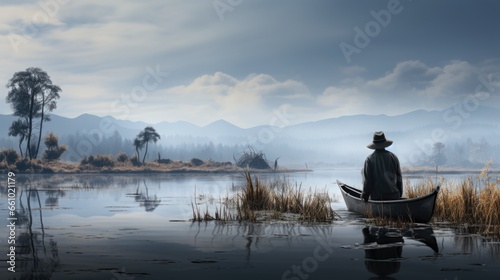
(417, 210)
(424, 235)
(383, 259)
(384, 247)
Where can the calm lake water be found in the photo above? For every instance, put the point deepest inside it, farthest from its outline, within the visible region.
(137, 227)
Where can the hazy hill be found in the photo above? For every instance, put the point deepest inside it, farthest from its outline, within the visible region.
(342, 139)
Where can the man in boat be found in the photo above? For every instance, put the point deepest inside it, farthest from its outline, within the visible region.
(382, 178)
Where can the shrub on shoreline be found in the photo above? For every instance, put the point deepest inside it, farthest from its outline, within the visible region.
(10, 156)
(165, 161)
(196, 162)
(122, 157)
(98, 161)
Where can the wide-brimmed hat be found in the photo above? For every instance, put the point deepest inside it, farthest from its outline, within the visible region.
(379, 141)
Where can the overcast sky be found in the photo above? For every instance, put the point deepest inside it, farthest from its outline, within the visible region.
(254, 62)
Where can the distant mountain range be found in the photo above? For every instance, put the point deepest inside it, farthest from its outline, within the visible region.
(339, 139)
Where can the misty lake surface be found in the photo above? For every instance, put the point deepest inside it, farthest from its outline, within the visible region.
(137, 226)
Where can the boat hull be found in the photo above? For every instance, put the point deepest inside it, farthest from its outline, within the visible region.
(417, 210)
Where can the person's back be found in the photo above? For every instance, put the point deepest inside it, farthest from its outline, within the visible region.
(382, 178)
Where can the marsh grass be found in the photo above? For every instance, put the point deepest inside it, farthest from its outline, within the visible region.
(272, 200)
(472, 202)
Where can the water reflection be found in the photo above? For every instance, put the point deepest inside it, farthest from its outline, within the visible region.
(383, 259)
(469, 242)
(74, 210)
(384, 248)
(257, 237)
(424, 235)
(52, 198)
(145, 200)
(36, 257)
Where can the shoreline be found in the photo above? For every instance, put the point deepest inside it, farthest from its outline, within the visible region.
(149, 168)
(448, 170)
(223, 171)
(179, 167)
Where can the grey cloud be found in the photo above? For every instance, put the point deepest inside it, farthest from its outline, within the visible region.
(407, 75)
(426, 57)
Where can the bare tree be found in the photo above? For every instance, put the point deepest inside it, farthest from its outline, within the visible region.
(438, 156)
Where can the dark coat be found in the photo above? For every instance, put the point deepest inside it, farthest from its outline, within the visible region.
(382, 178)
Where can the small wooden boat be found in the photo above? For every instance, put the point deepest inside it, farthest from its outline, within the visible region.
(418, 210)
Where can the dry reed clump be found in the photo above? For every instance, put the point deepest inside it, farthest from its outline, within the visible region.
(252, 159)
(255, 196)
(474, 203)
(271, 200)
(489, 207)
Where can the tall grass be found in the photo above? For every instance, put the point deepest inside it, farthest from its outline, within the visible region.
(471, 202)
(278, 198)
